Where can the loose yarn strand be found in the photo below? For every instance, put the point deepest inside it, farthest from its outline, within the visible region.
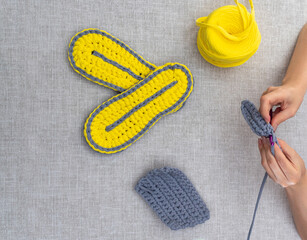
(256, 206)
(229, 36)
(273, 140)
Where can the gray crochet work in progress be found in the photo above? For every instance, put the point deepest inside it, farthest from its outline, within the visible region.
(173, 197)
(255, 120)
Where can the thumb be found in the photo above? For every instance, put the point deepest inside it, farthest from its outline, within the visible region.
(267, 101)
(280, 117)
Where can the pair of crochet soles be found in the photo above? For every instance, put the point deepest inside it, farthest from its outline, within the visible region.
(173, 198)
(148, 92)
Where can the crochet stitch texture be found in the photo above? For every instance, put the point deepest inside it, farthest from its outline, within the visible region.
(120, 121)
(255, 120)
(147, 92)
(104, 59)
(173, 198)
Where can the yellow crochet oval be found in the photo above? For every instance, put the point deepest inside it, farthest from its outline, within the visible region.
(120, 121)
(104, 59)
(229, 36)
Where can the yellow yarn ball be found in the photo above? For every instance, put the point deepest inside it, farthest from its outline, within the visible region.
(229, 36)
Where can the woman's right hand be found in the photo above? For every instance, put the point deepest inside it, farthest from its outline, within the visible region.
(289, 99)
(290, 94)
(286, 168)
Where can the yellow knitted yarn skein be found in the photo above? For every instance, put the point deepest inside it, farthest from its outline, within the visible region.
(229, 36)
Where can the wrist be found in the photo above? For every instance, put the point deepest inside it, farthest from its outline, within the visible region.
(298, 186)
(295, 78)
(296, 84)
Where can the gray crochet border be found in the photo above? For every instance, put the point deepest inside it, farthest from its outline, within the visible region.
(128, 92)
(70, 51)
(142, 104)
(127, 70)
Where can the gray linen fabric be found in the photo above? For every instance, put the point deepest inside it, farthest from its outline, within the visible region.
(54, 186)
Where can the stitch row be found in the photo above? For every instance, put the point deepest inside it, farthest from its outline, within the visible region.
(130, 91)
(168, 192)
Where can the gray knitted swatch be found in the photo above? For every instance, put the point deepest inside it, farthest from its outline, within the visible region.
(173, 197)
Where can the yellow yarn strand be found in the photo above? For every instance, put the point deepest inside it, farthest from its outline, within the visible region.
(229, 36)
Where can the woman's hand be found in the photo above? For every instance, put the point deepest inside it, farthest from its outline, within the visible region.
(287, 168)
(289, 99)
(290, 95)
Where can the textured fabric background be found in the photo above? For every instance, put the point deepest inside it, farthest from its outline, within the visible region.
(54, 186)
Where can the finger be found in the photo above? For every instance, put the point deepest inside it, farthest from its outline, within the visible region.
(267, 149)
(267, 101)
(285, 165)
(277, 110)
(264, 162)
(272, 163)
(281, 117)
(270, 89)
(289, 152)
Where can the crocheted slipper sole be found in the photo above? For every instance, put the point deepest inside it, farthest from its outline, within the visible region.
(104, 59)
(120, 121)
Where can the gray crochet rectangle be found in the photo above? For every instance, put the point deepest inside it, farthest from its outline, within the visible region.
(173, 197)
